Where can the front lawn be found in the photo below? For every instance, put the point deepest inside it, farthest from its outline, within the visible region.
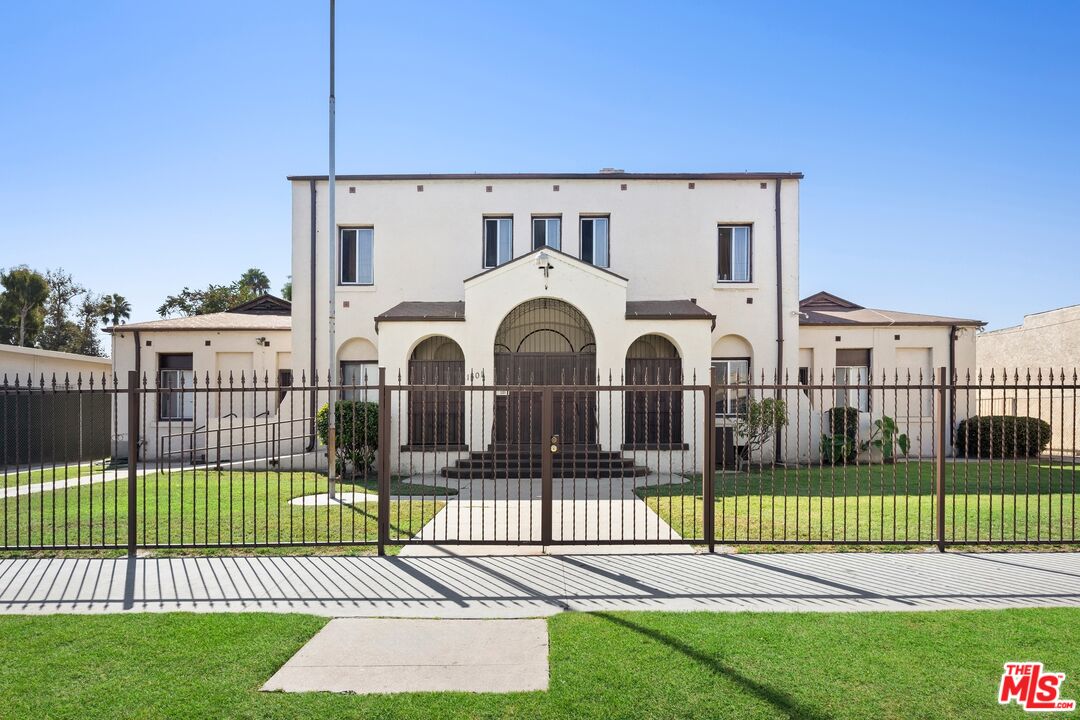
(205, 507)
(1011, 500)
(605, 665)
(23, 476)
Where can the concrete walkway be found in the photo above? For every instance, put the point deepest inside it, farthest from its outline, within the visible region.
(532, 586)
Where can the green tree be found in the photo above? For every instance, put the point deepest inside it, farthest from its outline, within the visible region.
(85, 340)
(758, 422)
(216, 298)
(22, 305)
(286, 290)
(115, 309)
(60, 332)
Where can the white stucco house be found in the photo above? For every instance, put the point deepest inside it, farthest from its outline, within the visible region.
(248, 346)
(537, 278)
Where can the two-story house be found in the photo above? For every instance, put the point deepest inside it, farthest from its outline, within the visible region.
(548, 279)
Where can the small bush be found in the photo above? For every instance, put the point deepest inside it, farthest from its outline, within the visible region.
(838, 449)
(1002, 436)
(843, 421)
(357, 440)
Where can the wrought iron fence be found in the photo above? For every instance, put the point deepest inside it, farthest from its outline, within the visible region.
(445, 456)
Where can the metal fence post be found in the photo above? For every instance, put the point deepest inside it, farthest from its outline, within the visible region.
(939, 457)
(547, 431)
(708, 474)
(133, 458)
(383, 523)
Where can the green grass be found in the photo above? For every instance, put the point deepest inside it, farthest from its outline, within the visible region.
(13, 477)
(204, 507)
(893, 503)
(617, 665)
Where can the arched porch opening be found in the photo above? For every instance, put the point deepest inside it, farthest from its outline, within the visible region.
(437, 416)
(545, 341)
(654, 416)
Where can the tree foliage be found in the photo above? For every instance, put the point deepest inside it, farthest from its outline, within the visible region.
(115, 309)
(758, 422)
(216, 298)
(22, 305)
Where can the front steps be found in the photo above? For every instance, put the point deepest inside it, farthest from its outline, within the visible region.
(572, 461)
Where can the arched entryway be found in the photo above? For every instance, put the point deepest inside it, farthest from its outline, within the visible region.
(437, 416)
(545, 341)
(654, 417)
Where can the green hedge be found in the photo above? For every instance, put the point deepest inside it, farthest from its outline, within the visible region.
(1001, 436)
(357, 434)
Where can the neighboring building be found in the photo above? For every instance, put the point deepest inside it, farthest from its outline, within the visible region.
(60, 427)
(245, 347)
(540, 277)
(1035, 353)
(846, 343)
(24, 362)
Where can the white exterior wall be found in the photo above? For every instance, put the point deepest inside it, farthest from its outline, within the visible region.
(234, 350)
(920, 351)
(663, 237)
(23, 362)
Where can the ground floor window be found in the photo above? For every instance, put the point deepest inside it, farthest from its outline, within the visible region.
(175, 371)
(359, 380)
(735, 374)
(853, 369)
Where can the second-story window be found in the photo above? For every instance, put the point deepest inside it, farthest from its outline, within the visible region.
(357, 256)
(547, 231)
(595, 242)
(734, 254)
(498, 241)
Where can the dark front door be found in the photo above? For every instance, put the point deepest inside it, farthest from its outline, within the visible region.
(518, 411)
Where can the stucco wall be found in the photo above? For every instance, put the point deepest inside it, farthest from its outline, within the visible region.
(1035, 353)
(23, 362)
(663, 238)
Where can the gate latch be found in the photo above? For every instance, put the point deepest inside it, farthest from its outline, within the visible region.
(554, 443)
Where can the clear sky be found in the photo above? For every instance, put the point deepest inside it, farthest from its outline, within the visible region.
(144, 145)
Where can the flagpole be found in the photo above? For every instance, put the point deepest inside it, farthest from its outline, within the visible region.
(331, 225)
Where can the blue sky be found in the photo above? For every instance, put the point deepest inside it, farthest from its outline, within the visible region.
(144, 145)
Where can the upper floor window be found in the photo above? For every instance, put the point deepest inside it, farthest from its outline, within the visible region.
(498, 241)
(357, 256)
(547, 231)
(734, 253)
(595, 242)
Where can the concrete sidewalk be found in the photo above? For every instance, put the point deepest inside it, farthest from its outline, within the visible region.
(531, 586)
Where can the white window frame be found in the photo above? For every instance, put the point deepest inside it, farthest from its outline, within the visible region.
(607, 237)
(504, 246)
(749, 253)
(357, 265)
(367, 388)
(731, 397)
(176, 405)
(843, 376)
(549, 221)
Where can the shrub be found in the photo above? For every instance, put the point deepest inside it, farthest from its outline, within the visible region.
(843, 421)
(837, 449)
(1002, 436)
(838, 445)
(758, 422)
(357, 433)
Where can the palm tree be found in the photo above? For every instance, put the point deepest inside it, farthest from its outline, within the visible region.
(255, 281)
(115, 309)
